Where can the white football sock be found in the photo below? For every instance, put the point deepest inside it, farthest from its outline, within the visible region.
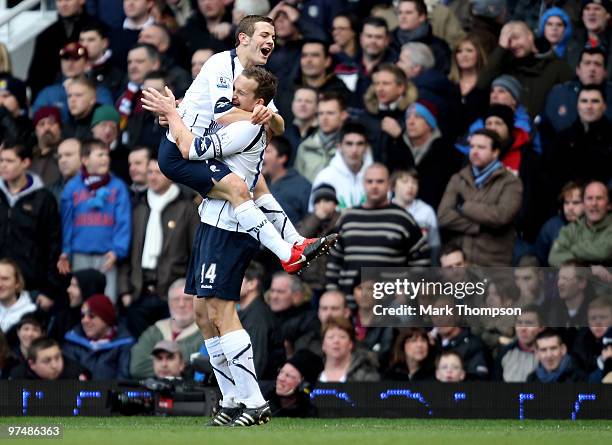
(239, 352)
(277, 216)
(257, 225)
(222, 372)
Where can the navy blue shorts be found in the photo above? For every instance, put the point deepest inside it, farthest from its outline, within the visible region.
(197, 175)
(218, 261)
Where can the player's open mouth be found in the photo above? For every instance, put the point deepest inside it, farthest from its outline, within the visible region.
(266, 51)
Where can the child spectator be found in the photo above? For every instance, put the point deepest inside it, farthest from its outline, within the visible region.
(449, 368)
(96, 217)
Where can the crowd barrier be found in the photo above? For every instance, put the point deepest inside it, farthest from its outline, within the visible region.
(469, 400)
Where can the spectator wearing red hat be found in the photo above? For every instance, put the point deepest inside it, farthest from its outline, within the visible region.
(423, 147)
(48, 128)
(45, 65)
(74, 64)
(98, 343)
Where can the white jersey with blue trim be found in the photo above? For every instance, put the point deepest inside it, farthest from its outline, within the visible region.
(246, 164)
(210, 95)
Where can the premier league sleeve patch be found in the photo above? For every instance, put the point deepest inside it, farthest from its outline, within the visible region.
(223, 82)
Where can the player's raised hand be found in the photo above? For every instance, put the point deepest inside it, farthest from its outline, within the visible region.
(158, 103)
(261, 115)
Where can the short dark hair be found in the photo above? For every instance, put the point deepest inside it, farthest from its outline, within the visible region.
(156, 74)
(38, 345)
(377, 22)
(420, 5)
(594, 50)
(96, 26)
(495, 140)
(449, 354)
(449, 248)
(255, 271)
(352, 127)
(533, 309)
(90, 145)
(594, 87)
(266, 82)
(324, 44)
(333, 95)
(152, 52)
(22, 151)
(282, 147)
(247, 25)
(549, 333)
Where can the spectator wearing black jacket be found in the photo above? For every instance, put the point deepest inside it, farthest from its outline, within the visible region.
(94, 37)
(412, 357)
(452, 337)
(46, 362)
(45, 65)
(555, 364)
(259, 321)
(589, 343)
(30, 229)
(414, 27)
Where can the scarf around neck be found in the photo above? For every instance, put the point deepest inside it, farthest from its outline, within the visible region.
(154, 233)
(481, 175)
(553, 376)
(410, 36)
(94, 182)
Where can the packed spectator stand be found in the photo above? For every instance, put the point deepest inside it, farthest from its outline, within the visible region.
(446, 133)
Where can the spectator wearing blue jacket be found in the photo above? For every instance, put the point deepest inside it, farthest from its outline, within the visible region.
(96, 217)
(97, 343)
(560, 110)
(556, 27)
(506, 90)
(73, 62)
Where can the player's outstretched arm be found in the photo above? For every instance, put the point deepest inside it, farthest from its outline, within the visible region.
(165, 105)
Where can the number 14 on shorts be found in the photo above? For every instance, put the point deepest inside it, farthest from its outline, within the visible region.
(208, 274)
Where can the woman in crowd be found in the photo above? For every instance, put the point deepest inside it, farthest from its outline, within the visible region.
(412, 357)
(343, 362)
(467, 61)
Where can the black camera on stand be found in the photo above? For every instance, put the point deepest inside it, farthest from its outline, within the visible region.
(162, 397)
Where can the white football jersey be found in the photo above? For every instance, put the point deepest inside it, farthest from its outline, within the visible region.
(246, 164)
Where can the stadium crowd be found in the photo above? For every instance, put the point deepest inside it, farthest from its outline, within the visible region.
(425, 132)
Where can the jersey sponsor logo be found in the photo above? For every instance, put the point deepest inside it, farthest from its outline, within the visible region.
(223, 105)
(223, 82)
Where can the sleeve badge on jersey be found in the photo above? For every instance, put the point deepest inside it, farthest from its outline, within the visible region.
(223, 82)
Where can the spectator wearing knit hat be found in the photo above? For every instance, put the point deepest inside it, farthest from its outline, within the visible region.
(506, 90)
(556, 27)
(48, 127)
(423, 147)
(105, 127)
(317, 224)
(74, 63)
(596, 31)
(518, 156)
(98, 343)
(290, 396)
(533, 63)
